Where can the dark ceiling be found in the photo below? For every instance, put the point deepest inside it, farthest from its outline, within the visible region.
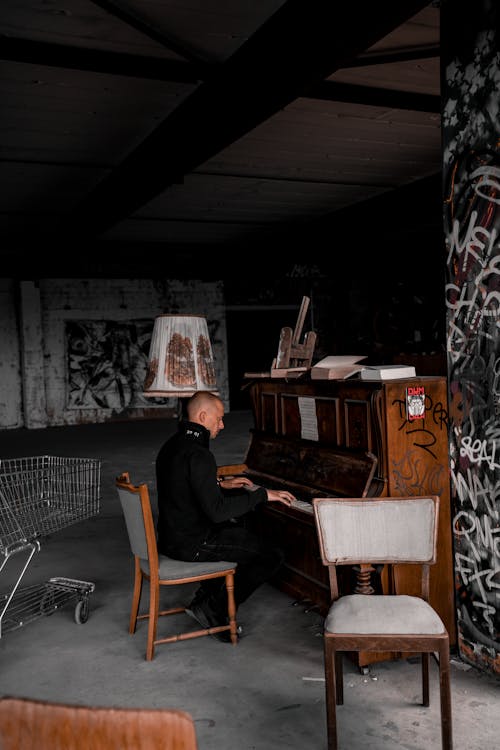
(169, 126)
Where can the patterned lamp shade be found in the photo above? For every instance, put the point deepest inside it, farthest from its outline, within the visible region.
(180, 357)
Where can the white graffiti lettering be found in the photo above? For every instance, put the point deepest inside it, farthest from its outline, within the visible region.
(472, 490)
(477, 238)
(492, 430)
(461, 569)
(466, 525)
(492, 300)
(489, 175)
(487, 611)
(477, 452)
(471, 575)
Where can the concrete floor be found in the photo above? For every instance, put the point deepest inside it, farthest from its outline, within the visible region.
(267, 692)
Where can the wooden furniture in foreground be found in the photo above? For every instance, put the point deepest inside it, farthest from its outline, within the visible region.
(349, 438)
(41, 725)
(161, 570)
(402, 530)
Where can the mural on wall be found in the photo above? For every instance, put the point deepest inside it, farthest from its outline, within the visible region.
(471, 174)
(106, 364)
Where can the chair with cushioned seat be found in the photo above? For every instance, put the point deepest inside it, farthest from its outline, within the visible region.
(381, 531)
(161, 570)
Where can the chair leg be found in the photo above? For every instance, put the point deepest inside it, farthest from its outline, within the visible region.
(231, 608)
(330, 657)
(154, 596)
(136, 598)
(339, 677)
(425, 678)
(445, 694)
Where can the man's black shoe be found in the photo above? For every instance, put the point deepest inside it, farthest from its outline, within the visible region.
(206, 617)
(201, 612)
(198, 597)
(225, 635)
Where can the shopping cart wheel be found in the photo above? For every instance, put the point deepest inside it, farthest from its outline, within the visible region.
(82, 611)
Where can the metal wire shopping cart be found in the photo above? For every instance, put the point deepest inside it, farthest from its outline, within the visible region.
(38, 496)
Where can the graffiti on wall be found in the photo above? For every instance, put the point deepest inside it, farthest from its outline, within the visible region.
(106, 364)
(472, 224)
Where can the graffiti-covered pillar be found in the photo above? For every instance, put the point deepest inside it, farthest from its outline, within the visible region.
(471, 175)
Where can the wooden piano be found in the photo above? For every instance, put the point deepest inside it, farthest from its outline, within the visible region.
(348, 438)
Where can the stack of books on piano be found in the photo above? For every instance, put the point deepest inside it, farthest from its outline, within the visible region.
(347, 366)
(387, 372)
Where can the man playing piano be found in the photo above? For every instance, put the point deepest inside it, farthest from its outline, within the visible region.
(202, 518)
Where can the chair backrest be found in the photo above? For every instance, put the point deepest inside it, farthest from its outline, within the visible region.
(136, 507)
(377, 530)
(41, 725)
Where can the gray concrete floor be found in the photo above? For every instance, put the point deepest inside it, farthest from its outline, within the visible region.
(267, 692)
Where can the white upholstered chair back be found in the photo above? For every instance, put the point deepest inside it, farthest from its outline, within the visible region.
(377, 530)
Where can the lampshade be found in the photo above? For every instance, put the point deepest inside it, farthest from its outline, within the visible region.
(180, 357)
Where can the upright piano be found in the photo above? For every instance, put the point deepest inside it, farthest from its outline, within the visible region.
(348, 438)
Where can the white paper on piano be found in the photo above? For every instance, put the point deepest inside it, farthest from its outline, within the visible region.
(337, 367)
(308, 418)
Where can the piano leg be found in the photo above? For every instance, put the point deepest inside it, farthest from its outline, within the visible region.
(363, 579)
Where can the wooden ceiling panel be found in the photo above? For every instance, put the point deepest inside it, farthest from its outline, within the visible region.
(419, 31)
(313, 141)
(420, 76)
(81, 23)
(212, 30)
(79, 118)
(209, 122)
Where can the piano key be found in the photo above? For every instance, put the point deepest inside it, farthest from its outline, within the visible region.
(303, 505)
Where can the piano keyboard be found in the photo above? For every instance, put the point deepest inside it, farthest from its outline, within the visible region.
(302, 505)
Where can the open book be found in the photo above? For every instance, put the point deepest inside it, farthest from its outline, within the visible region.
(337, 367)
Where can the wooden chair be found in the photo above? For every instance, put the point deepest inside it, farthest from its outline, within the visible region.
(161, 570)
(365, 532)
(27, 724)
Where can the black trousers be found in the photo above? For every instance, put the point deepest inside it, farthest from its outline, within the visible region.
(257, 562)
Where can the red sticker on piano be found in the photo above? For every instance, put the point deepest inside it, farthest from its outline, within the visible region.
(415, 402)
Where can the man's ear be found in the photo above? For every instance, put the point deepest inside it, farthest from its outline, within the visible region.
(202, 416)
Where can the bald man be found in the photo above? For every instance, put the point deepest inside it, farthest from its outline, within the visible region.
(202, 518)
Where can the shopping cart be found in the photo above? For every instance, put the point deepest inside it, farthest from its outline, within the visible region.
(41, 495)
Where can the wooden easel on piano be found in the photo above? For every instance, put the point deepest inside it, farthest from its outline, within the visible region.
(294, 358)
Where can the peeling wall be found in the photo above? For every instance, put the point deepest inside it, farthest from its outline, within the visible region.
(35, 342)
(10, 364)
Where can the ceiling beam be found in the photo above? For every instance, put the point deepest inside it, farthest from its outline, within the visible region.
(100, 61)
(374, 96)
(35, 52)
(294, 49)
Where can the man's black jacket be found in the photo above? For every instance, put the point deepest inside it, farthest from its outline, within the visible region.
(190, 502)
